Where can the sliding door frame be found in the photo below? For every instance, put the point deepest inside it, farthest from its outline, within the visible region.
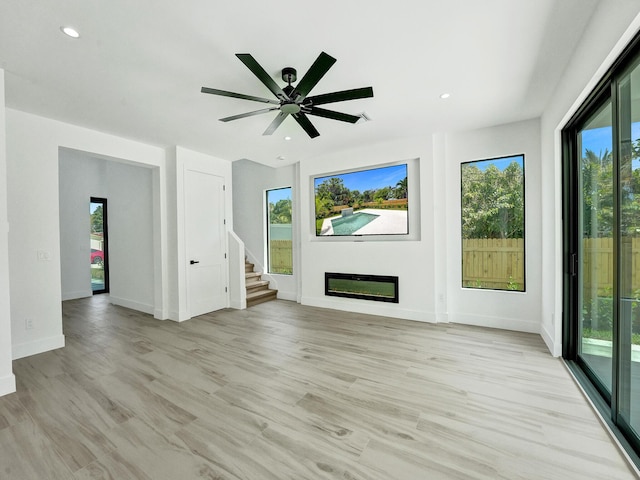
(607, 404)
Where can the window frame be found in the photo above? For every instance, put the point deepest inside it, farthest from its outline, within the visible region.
(524, 225)
(267, 234)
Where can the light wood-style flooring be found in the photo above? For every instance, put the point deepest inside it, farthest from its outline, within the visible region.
(283, 391)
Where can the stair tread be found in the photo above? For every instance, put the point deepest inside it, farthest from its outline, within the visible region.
(256, 283)
(261, 293)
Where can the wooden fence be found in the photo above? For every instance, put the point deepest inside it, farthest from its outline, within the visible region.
(499, 263)
(493, 263)
(597, 264)
(281, 256)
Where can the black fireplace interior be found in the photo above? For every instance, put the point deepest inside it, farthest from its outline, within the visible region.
(379, 288)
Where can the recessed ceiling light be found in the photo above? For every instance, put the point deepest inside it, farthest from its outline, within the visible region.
(281, 157)
(287, 138)
(70, 31)
(445, 96)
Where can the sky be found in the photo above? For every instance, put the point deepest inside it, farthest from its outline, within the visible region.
(500, 163)
(372, 179)
(600, 139)
(279, 194)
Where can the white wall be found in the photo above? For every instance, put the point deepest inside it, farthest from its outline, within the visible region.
(32, 176)
(611, 28)
(7, 379)
(80, 177)
(501, 309)
(128, 190)
(429, 269)
(250, 182)
(412, 261)
(131, 242)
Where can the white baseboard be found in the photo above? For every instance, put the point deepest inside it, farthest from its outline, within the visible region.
(178, 316)
(515, 324)
(371, 308)
(133, 305)
(554, 349)
(392, 310)
(35, 347)
(291, 296)
(7, 384)
(159, 314)
(239, 305)
(77, 294)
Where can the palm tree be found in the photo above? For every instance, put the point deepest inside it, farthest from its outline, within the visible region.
(401, 188)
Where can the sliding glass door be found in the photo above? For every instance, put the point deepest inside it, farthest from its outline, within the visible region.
(629, 247)
(595, 246)
(601, 171)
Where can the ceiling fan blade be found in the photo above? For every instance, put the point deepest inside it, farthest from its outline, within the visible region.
(248, 114)
(322, 64)
(276, 123)
(262, 75)
(341, 96)
(343, 117)
(224, 93)
(306, 125)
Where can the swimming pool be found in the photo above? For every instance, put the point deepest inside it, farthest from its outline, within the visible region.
(351, 223)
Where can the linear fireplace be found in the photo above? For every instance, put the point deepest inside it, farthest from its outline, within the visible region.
(379, 288)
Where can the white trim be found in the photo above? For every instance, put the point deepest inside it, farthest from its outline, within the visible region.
(77, 294)
(291, 296)
(518, 325)
(371, 308)
(41, 345)
(133, 305)
(554, 348)
(178, 316)
(7, 384)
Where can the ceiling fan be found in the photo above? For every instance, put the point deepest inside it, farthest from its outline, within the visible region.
(294, 100)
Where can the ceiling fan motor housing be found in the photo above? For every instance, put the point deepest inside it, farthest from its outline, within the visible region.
(289, 75)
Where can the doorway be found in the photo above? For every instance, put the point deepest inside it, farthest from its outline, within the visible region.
(205, 239)
(99, 241)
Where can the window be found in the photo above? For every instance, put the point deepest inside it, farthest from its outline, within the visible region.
(279, 233)
(493, 224)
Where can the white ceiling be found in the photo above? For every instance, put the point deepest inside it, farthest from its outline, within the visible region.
(137, 69)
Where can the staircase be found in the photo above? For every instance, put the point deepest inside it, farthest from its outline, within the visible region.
(258, 290)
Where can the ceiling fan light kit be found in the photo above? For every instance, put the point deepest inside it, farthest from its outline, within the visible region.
(292, 100)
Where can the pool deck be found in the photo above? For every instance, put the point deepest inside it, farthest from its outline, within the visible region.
(388, 222)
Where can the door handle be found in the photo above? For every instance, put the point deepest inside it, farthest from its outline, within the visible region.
(194, 261)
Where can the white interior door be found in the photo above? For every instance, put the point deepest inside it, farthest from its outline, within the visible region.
(205, 242)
